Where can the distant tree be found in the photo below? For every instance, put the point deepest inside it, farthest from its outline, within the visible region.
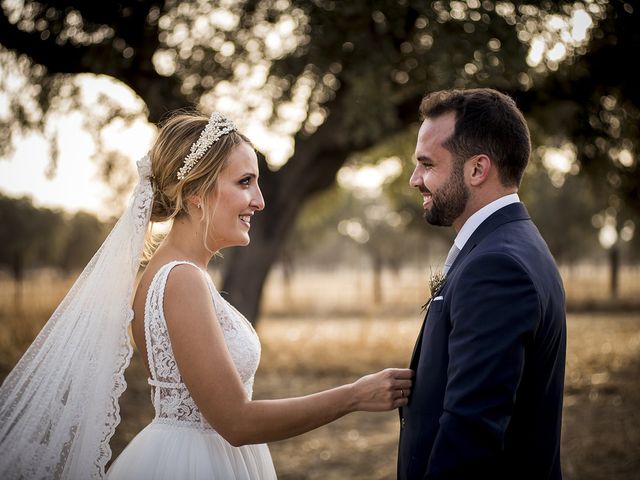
(29, 237)
(33, 237)
(381, 234)
(592, 102)
(84, 235)
(562, 214)
(383, 219)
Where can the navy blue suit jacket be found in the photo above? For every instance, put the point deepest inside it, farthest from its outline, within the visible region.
(489, 362)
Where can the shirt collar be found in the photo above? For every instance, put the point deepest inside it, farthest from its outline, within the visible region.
(474, 221)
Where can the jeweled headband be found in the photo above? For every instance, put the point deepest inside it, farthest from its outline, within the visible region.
(217, 127)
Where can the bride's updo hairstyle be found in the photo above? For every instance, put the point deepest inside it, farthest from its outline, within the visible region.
(176, 136)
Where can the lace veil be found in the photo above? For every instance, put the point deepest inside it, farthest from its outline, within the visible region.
(59, 405)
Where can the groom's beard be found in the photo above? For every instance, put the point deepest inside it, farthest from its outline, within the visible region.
(448, 202)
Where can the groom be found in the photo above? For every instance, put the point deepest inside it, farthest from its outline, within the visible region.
(489, 360)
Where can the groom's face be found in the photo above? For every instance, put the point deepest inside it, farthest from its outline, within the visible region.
(438, 175)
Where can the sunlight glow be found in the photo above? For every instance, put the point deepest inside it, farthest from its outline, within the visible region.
(76, 183)
(369, 179)
(559, 162)
(557, 53)
(580, 23)
(626, 159)
(627, 231)
(557, 36)
(224, 19)
(353, 228)
(536, 51)
(608, 235)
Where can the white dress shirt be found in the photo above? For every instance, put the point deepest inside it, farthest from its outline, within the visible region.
(480, 216)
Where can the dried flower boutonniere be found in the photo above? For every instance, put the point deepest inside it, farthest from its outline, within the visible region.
(436, 280)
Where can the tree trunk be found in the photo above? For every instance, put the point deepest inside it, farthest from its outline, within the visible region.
(614, 270)
(248, 267)
(376, 264)
(17, 269)
(286, 260)
(312, 168)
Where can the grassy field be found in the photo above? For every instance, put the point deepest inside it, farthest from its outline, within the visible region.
(307, 348)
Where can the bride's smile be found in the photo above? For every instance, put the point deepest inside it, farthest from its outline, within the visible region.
(235, 199)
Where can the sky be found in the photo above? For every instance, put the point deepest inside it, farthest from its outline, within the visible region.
(76, 183)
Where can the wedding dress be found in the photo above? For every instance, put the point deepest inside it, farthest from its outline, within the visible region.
(179, 443)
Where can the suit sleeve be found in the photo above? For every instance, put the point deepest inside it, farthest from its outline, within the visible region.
(494, 313)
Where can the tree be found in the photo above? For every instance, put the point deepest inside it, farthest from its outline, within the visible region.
(84, 235)
(592, 102)
(569, 234)
(29, 236)
(337, 77)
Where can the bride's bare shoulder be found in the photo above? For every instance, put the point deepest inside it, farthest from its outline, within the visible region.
(183, 277)
(183, 282)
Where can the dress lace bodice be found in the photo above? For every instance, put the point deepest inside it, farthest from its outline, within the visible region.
(171, 399)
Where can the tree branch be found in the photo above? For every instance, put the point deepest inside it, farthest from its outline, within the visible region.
(160, 93)
(56, 58)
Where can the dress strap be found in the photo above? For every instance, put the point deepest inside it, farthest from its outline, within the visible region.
(155, 296)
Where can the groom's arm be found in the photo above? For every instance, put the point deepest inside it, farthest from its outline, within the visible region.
(494, 313)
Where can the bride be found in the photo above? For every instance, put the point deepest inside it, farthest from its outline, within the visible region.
(59, 406)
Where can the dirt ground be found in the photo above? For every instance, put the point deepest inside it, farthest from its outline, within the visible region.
(303, 353)
(601, 426)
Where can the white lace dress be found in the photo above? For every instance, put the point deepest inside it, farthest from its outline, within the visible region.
(179, 444)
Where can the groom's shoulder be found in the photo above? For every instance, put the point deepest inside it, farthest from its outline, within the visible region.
(517, 243)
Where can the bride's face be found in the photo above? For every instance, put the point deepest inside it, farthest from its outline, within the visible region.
(235, 199)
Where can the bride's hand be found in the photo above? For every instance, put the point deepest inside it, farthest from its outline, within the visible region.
(382, 391)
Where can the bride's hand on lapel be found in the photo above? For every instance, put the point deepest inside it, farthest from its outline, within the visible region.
(385, 390)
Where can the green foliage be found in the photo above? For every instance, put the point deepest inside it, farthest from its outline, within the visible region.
(378, 56)
(27, 235)
(563, 215)
(339, 78)
(38, 237)
(367, 63)
(84, 234)
(593, 102)
(318, 220)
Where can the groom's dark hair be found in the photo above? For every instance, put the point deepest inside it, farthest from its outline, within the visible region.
(487, 122)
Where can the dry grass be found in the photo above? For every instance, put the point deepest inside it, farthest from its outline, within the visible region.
(350, 291)
(601, 432)
(321, 349)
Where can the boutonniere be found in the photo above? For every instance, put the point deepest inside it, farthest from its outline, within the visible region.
(436, 281)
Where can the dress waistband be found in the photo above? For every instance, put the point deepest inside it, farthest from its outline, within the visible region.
(158, 383)
(172, 422)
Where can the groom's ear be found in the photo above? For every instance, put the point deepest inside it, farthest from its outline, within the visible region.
(479, 169)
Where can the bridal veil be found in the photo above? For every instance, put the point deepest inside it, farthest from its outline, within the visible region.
(59, 405)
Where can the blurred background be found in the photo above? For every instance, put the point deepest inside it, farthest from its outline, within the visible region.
(338, 265)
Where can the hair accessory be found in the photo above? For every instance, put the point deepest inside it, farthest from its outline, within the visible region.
(217, 127)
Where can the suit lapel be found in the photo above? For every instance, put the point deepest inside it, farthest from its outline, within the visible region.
(415, 356)
(417, 347)
(510, 213)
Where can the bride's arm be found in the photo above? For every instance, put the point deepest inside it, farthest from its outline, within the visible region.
(211, 377)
